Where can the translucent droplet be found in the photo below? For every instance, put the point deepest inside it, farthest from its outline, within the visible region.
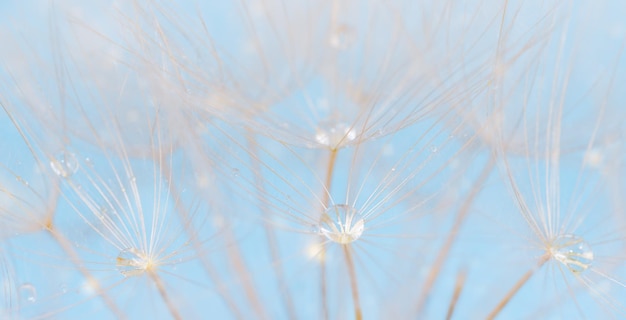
(434, 148)
(342, 37)
(573, 252)
(235, 172)
(131, 262)
(63, 288)
(28, 293)
(89, 162)
(335, 135)
(342, 224)
(64, 164)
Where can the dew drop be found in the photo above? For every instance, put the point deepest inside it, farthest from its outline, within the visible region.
(573, 252)
(89, 162)
(21, 180)
(342, 37)
(334, 135)
(64, 164)
(434, 148)
(131, 262)
(342, 224)
(28, 293)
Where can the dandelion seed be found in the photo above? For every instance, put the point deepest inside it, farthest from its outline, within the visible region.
(132, 262)
(573, 252)
(334, 135)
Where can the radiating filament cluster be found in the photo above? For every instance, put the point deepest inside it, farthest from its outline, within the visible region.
(342, 224)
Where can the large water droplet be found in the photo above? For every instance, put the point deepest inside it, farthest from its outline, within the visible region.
(342, 224)
(131, 262)
(28, 293)
(573, 252)
(342, 37)
(64, 164)
(334, 135)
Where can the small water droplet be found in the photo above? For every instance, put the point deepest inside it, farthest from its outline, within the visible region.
(21, 180)
(573, 252)
(131, 262)
(236, 172)
(342, 224)
(89, 162)
(28, 293)
(434, 148)
(334, 134)
(342, 37)
(64, 164)
(63, 288)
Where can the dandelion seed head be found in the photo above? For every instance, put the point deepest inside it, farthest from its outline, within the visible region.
(342, 224)
(573, 252)
(132, 262)
(334, 135)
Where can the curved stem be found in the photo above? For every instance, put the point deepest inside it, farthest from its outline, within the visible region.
(197, 246)
(451, 239)
(332, 159)
(271, 236)
(458, 288)
(358, 315)
(67, 247)
(166, 298)
(518, 285)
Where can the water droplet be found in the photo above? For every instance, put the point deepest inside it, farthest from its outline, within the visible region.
(28, 293)
(335, 135)
(434, 148)
(21, 180)
(342, 224)
(63, 288)
(342, 37)
(573, 252)
(235, 172)
(89, 162)
(64, 164)
(131, 262)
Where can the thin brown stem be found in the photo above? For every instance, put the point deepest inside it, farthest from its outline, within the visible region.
(332, 159)
(163, 292)
(458, 288)
(197, 246)
(518, 285)
(271, 237)
(67, 247)
(358, 315)
(452, 236)
(248, 285)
